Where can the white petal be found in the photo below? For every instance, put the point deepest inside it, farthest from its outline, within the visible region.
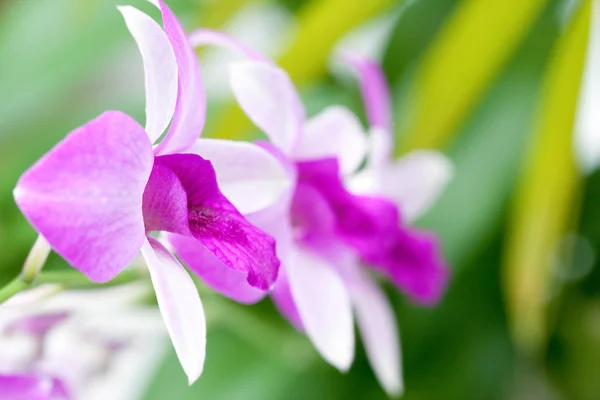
(130, 371)
(324, 306)
(363, 182)
(587, 129)
(381, 148)
(416, 180)
(370, 180)
(180, 306)
(270, 100)
(248, 175)
(160, 69)
(377, 324)
(335, 132)
(206, 37)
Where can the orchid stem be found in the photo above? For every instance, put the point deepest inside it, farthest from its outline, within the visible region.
(35, 260)
(15, 286)
(66, 278)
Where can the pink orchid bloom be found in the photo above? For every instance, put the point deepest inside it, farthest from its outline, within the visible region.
(326, 234)
(99, 195)
(93, 344)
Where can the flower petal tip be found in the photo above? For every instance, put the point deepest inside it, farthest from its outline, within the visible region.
(193, 376)
(435, 290)
(269, 98)
(342, 360)
(395, 390)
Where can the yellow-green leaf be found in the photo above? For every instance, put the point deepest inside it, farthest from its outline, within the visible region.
(468, 53)
(216, 13)
(547, 192)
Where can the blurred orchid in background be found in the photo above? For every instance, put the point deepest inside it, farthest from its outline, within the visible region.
(81, 344)
(323, 231)
(98, 195)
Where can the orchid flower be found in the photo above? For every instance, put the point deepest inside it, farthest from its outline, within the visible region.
(100, 195)
(93, 344)
(321, 285)
(326, 235)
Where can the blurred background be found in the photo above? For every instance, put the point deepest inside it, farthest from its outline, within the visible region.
(496, 85)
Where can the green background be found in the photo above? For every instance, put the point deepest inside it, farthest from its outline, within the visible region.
(59, 68)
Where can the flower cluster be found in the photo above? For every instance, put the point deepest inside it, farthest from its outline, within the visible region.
(309, 217)
(92, 344)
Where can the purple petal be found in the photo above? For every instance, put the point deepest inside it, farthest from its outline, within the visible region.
(269, 98)
(180, 306)
(412, 260)
(37, 325)
(216, 223)
(415, 181)
(374, 90)
(334, 133)
(363, 222)
(206, 37)
(248, 175)
(372, 227)
(190, 111)
(312, 215)
(160, 69)
(59, 390)
(165, 202)
(223, 279)
(85, 195)
(324, 306)
(377, 325)
(31, 387)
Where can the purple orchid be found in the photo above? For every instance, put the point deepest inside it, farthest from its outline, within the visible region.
(336, 233)
(92, 344)
(326, 234)
(100, 195)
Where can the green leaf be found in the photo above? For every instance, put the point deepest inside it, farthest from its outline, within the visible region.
(412, 34)
(547, 191)
(467, 55)
(488, 151)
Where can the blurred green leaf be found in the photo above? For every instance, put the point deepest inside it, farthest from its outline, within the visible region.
(460, 349)
(321, 24)
(412, 34)
(45, 64)
(547, 191)
(233, 370)
(488, 151)
(463, 61)
(215, 14)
